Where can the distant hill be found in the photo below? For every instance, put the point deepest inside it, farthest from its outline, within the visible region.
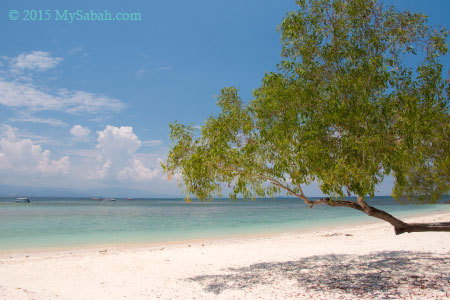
(7, 190)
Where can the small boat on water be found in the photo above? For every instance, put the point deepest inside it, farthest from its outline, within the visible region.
(97, 199)
(22, 200)
(130, 198)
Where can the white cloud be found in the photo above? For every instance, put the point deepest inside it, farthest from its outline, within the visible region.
(25, 95)
(152, 143)
(120, 141)
(26, 117)
(23, 156)
(84, 153)
(140, 73)
(48, 121)
(75, 50)
(164, 68)
(117, 146)
(35, 61)
(18, 90)
(114, 162)
(138, 172)
(144, 70)
(79, 132)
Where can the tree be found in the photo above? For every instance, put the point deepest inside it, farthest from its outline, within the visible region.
(359, 95)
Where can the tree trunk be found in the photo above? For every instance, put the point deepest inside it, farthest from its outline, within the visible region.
(421, 227)
(399, 226)
(361, 205)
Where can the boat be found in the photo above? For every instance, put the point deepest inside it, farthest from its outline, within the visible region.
(23, 200)
(97, 199)
(130, 198)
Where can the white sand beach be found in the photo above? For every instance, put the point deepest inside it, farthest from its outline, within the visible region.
(356, 262)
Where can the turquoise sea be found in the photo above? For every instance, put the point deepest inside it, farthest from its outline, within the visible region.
(78, 222)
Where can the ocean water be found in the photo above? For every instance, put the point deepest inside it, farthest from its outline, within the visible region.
(77, 222)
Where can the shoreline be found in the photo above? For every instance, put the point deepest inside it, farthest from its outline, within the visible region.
(365, 261)
(352, 225)
(122, 236)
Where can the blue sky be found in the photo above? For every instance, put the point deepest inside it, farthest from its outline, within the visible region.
(85, 106)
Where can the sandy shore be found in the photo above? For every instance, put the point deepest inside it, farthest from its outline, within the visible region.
(358, 262)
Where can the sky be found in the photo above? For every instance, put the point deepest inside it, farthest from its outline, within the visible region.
(85, 106)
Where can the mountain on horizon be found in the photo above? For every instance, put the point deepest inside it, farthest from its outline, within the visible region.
(16, 191)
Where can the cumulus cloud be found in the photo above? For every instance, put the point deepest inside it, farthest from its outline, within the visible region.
(80, 132)
(22, 155)
(138, 172)
(118, 142)
(35, 61)
(117, 146)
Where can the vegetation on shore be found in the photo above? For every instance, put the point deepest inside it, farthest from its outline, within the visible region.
(359, 95)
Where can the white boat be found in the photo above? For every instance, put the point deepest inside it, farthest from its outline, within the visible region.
(23, 200)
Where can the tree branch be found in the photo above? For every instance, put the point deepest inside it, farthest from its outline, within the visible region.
(361, 205)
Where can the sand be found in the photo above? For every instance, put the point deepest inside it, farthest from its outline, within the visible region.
(356, 262)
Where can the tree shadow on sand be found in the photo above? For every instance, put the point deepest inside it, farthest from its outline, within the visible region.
(379, 275)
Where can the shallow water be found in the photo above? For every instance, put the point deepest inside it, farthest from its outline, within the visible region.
(68, 222)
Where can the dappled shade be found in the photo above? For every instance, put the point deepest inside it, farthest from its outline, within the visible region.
(380, 275)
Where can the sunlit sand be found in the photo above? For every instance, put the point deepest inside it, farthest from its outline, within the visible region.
(359, 262)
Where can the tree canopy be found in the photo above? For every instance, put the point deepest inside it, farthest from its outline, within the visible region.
(359, 94)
